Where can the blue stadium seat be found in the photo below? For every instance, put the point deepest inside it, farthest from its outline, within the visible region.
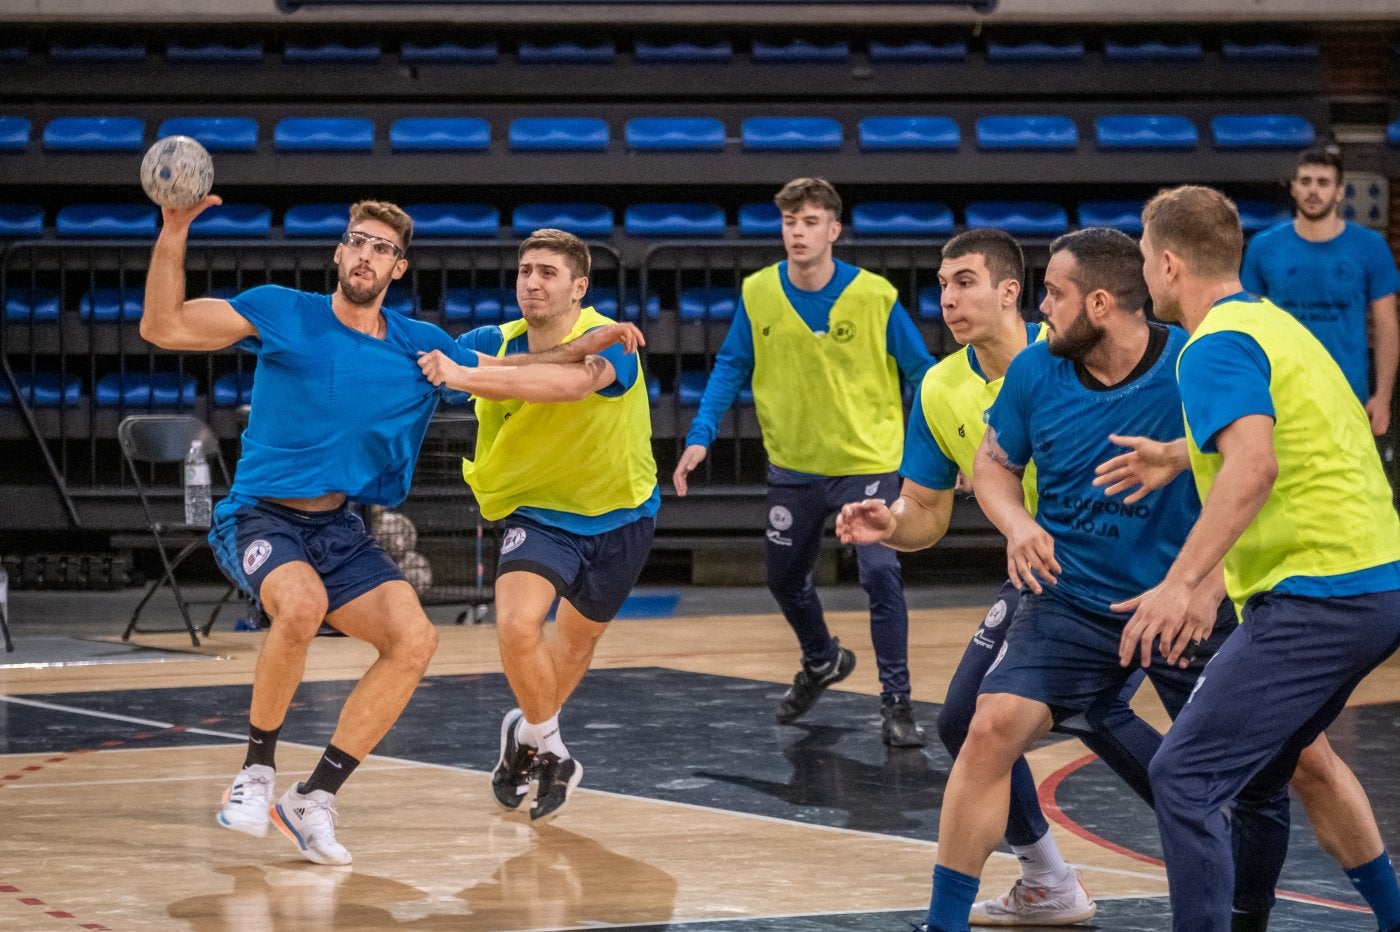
(332, 53)
(1036, 51)
(233, 389)
(1262, 131)
(1184, 51)
(653, 389)
(674, 220)
(913, 132)
(437, 134)
(43, 389)
(217, 134)
(327, 220)
(761, 219)
(233, 220)
(449, 53)
(579, 219)
(917, 50)
(1256, 215)
(709, 303)
(605, 303)
(1027, 132)
(930, 306)
(320, 134)
(430, 220)
(14, 54)
(1134, 131)
(1020, 218)
(401, 300)
(107, 304)
(18, 220)
(480, 305)
(107, 220)
(800, 51)
(95, 134)
(1269, 51)
(14, 134)
(214, 52)
(780, 133)
(31, 304)
(1118, 215)
(97, 52)
(675, 134)
(559, 134)
(671, 52)
(691, 388)
(567, 53)
(153, 389)
(901, 218)
(1392, 133)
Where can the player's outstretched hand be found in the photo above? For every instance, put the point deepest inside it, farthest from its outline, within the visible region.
(182, 217)
(1161, 614)
(866, 522)
(440, 370)
(1030, 557)
(693, 456)
(600, 338)
(1148, 465)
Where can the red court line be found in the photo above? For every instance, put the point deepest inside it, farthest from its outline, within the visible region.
(1050, 787)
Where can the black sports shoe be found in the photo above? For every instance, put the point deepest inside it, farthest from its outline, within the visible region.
(808, 685)
(557, 780)
(510, 781)
(899, 730)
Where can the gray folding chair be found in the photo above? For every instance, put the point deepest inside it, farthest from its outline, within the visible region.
(166, 438)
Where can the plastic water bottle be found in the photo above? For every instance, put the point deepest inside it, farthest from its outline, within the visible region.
(199, 503)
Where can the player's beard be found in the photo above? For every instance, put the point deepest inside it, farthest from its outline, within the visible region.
(1077, 340)
(361, 295)
(1320, 213)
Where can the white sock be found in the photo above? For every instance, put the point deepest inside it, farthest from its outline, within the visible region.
(525, 733)
(546, 734)
(1041, 863)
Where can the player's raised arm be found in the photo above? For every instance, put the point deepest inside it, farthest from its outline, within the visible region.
(168, 319)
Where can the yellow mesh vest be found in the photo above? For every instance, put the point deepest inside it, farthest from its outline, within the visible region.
(955, 402)
(827, 403)
(1330, 509)
(587, 457)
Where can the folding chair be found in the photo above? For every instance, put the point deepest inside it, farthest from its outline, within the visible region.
(166, 438)
(5, 610)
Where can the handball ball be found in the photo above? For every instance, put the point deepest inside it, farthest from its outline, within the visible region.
(395, 533)
(177, 172)
(417, 570)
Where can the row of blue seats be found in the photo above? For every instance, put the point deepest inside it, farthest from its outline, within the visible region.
(873, 218)
(647, 51)
(169, 389)
(670, 134)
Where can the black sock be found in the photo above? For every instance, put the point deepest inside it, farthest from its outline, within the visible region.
(330, 773)
(1249, 922)
(262, 746)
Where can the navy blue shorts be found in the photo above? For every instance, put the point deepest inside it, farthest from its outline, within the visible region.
(594, 572)
(251, 538)
(1066, 656)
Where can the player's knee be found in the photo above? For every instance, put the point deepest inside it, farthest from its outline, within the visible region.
(517, 631)
(298, 617)
(1165, 774)
(417, 645)
(1315, 772)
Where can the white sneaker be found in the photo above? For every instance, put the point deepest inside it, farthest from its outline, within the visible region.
(1036, 906)
(247, 800)
(309, 821)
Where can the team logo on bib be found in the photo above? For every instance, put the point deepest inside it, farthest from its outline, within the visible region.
(995, 615)
(872, 488)
(780, 518)
(514, 538)
(256, 555)
(844, 331)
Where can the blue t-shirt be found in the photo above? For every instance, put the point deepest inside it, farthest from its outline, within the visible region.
(627, 367)
(1108, 551)
(924, 460)
(1224, 377)
(1327, 286)
(734, 364)
(333, 410)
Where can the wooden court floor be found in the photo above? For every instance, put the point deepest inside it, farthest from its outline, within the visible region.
(697, 810)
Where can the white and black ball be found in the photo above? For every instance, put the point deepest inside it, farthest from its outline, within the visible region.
(177, 172)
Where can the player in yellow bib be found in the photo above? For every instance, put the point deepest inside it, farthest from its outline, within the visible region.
(825, 343)
(563, 460)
